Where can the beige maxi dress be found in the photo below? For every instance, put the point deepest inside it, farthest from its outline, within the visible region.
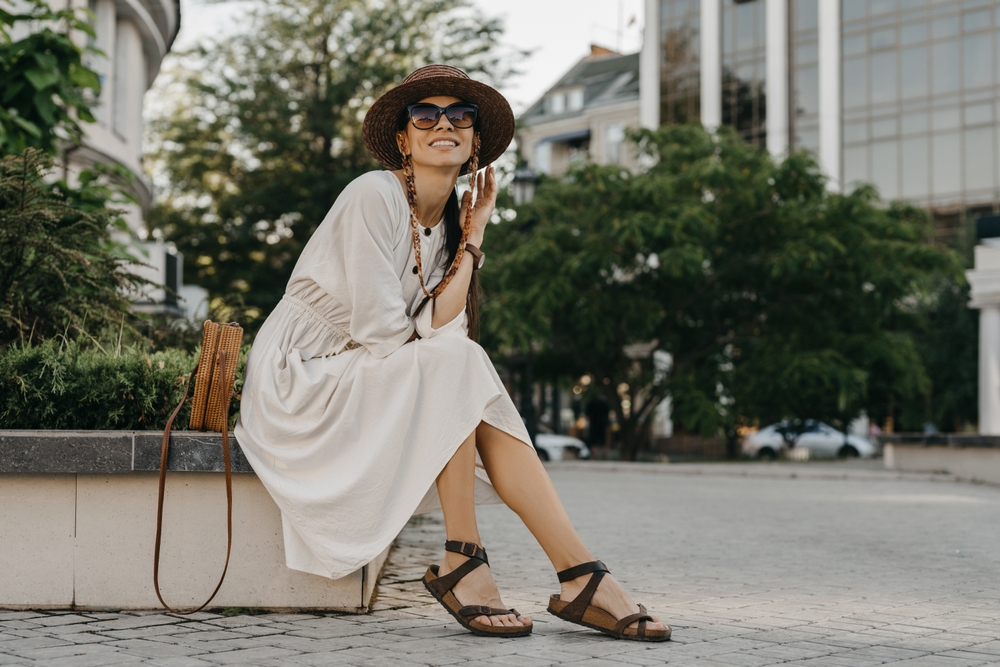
(349, 440)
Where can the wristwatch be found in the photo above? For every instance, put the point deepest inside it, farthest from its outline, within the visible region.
(478, 257)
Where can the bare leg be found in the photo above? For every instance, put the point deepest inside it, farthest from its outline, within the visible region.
(523, 484)
(455, 487)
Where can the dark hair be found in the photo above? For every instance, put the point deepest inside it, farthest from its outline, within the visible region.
(453, 237)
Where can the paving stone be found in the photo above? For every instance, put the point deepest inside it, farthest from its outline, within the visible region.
(186, 661)
(749, 571)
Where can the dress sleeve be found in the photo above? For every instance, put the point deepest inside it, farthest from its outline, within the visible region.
(459, 326)
(378, 311)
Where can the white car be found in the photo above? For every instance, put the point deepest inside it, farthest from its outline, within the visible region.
(818, 439)
(555, 447)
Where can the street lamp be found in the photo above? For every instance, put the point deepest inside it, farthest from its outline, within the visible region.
(525, 182)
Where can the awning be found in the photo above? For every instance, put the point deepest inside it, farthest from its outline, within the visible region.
(569, 136)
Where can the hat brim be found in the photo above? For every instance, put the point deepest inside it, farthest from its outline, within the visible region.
(496, 119)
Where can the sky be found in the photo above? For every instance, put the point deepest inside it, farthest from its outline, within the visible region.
(558, 32)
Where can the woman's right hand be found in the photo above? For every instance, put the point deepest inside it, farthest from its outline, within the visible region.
(486, 187)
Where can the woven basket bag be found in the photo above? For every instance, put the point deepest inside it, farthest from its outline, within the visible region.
(214, 376)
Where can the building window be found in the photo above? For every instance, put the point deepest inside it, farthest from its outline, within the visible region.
(543, 158)
(680, 79)
(574, 99)
(744, 48)
(614, 139)
(556, 103)
(919, 83)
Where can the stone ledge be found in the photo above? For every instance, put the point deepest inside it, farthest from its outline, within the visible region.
(112, 452)
(941, 439)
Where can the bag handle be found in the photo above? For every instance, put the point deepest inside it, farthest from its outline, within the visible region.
(164, 455)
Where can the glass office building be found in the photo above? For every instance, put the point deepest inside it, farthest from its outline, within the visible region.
(901, 93)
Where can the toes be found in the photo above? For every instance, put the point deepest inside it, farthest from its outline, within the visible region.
(484, 620)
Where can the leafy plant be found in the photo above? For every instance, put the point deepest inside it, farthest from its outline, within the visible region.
(45, 87)
(59, 265)
(80, 384)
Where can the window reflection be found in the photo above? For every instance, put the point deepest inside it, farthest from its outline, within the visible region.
(855, 164)
(913, 75)
(884, 77)
(945, 27)
(885, 127)
(977, 114)
(913, 123)
(946, 170)
(857, 131)
(913, 33)
(915, 160)
(885, 168)
(806, 14)
(979, 159)
(807, 90)
(977, 60)
(945, 119)
(854, 45)
(855, 83)
(945, 63)
(853, 9)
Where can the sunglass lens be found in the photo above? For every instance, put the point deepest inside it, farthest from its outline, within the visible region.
(461, 116)
(424, 116)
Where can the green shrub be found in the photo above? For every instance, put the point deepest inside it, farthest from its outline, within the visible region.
(69, 385)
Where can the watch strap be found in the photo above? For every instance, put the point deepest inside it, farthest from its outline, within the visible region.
(477, 255)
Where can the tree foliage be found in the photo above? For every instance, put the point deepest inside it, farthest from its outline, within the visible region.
(45, 87)
(262, 131)
(773, 297)
(59, 266)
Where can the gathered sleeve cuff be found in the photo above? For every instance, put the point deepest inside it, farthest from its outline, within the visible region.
(459, 326)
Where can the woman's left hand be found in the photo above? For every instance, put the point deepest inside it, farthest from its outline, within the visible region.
(486, 201)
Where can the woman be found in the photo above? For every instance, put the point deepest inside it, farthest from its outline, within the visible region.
(365, 399)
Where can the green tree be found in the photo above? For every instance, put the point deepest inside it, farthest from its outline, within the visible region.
(59, 267)
(261, 131)
(45, 88)
(773, 297)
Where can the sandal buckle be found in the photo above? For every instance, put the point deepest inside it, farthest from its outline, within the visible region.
(468, 549)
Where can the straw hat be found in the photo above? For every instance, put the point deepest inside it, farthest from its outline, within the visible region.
(496, 120)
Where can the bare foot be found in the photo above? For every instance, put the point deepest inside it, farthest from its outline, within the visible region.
(478, 587)
(609, 596)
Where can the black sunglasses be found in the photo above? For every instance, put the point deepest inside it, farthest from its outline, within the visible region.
(461, 115)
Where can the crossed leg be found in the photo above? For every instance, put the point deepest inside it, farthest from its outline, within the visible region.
(522, 483)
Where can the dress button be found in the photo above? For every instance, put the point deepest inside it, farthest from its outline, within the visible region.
(427, 231)
(414, 269)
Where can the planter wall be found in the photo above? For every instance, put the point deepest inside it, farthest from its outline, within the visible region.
(78, 512)
(970, 456)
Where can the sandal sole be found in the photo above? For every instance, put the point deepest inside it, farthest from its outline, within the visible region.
(503, 631)
(608, 631)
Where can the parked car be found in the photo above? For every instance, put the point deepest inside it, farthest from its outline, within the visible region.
(555, 447)
(818, 439)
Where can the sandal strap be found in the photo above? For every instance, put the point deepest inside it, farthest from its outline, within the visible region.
(481, 610)
(642, 617)
(470, 549)
(572, 573)
(443, 584)
(578, 606)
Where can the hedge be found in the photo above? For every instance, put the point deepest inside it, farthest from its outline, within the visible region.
(63, 384)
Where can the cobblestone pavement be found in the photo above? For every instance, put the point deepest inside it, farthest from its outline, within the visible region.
(803, 564)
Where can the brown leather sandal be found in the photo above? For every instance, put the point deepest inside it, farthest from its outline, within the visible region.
(440, 588)
(581, 612)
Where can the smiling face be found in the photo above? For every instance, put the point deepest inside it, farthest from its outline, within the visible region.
(442, 146)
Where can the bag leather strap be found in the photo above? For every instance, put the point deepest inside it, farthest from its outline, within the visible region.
(164, 456)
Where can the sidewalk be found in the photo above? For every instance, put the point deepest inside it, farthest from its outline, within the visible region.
(752, 564)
